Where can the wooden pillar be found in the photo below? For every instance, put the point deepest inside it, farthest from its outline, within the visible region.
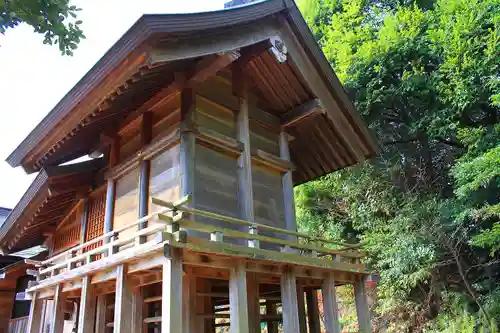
(57, 323)
(362, 309)
(238, 299)
(171, 317)
(301, 307)
(313, 311)
(85, 215)
(188, 143)
(86, 318)
(137, 311)
(272, 326)
(123, 302)
(114, 153)
(144, 170)
(100, 318)
(289, 201)
(253, 303)
(289, 302)
(330, 307)
(190, 321)
(35, 321)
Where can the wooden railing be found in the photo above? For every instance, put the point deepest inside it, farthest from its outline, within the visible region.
(176, 218)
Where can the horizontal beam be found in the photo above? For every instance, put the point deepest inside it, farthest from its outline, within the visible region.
(301, 112)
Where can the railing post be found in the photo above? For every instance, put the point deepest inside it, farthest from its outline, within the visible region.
(253, 242)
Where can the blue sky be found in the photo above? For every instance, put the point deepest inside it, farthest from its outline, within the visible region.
(36, 76)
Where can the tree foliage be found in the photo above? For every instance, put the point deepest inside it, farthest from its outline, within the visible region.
(54, 19)
(425, 75)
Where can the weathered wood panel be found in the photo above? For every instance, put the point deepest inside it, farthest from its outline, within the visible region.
(264, 139)
(18, 325)
(126, 202)
(212, 116)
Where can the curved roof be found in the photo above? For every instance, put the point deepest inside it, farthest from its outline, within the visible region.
(128, 75)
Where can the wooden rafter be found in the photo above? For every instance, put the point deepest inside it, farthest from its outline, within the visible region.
(299, 113)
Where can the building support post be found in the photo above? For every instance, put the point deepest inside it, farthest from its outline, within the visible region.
(137, 311)
(289, 302)
(272, 326)
(85, 215)
(144, 171)
(190, 321)
(330, 307)
(313, 311)
(57, 324)
(100, 318)
(253, 303)
(188, 144)
(86, 318)
(301, 307)
(290, 220)
(362, 309)
(171, 309)
(123, 301)
(35, 319)
(114, 152)
(238, 299)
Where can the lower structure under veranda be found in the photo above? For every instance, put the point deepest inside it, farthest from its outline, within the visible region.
(198, 127)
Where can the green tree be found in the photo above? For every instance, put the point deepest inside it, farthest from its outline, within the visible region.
(425, 76)
(54, 19)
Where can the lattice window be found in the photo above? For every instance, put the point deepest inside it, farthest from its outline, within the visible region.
(69, 234)
(95, 219)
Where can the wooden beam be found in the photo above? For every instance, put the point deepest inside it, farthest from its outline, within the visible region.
(253, 303)
(210, 65)
(86, 318)
(35, 321)
(317, 84)
(301, 112)
(287, 181)
(289, 302)
(362, 308)
(313, 311)
(238, 299)
(330, 307)
(171, 319)
(100, 325)
(57, 322)
(123, 301)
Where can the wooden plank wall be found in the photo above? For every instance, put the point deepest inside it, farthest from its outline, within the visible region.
(126, 203)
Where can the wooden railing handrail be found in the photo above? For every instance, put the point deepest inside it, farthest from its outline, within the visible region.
(228, 219)
(114, 232)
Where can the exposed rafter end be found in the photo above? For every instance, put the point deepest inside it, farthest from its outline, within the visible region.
(301, 112)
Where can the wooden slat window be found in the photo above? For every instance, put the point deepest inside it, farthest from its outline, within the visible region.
(69, 234)
(95, 218)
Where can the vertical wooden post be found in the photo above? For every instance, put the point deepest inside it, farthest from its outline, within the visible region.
(85, 214)
(35, 321)
(123, 301)
(100, 318)
(330, 307)
(188, 143)
(244, 163)
(238, 300)
(362, 309)
(190, 321)
(171, 304)
(86, 318)
(272, 326)
(289, 302)
(253, 303)
(290, 221)
(301, 307)
(144, 170)
(313, 311)
(111, 188)
(137, 311)
(57, 323)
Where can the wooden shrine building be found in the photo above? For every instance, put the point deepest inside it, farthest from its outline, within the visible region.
(197, 127)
